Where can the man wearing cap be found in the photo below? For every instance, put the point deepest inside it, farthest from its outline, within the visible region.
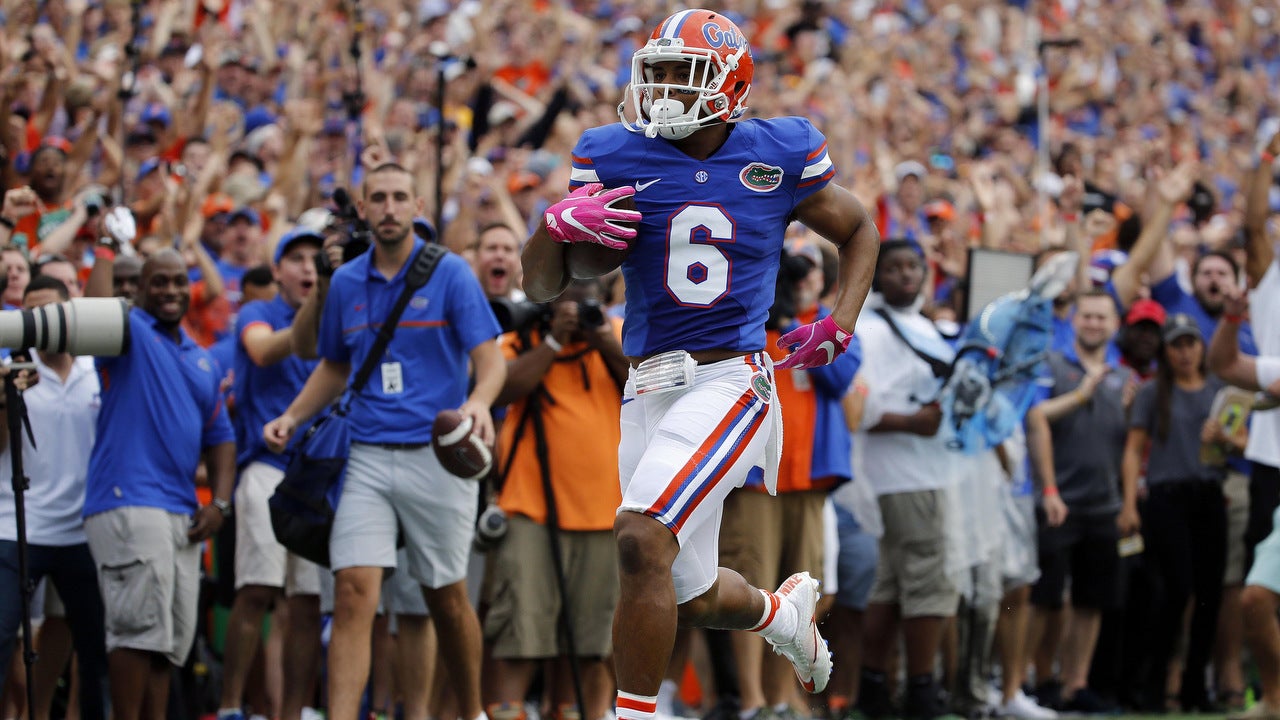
(267, 377)
(241, 249)
(157, 117)
(1139, 339)
(901, 215)
(1076, 436)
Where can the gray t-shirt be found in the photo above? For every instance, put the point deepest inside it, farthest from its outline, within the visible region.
(1088, 442)
(1177, 457)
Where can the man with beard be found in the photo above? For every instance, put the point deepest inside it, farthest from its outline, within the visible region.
(1212, 275)
(161, 410)
(497, 262)
(393, 478)
(1076, 438)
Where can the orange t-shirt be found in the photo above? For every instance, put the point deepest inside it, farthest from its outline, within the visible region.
(581, 417)
(33, 228)
(794, 389)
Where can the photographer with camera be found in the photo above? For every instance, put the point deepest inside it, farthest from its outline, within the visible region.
(161, 411)
(63, 410)
(565, 373)
(393, 479)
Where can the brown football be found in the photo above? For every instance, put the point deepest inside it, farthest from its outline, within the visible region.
(459, 450)
(588, 260)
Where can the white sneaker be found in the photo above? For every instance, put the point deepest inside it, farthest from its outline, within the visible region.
(1024, 708)
(807, 651)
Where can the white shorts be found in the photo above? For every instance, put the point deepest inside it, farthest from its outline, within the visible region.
(683, 451)
(401, 594)
(404, 490)
(260, 558)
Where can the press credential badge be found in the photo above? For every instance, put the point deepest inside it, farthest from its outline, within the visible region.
(392, 379)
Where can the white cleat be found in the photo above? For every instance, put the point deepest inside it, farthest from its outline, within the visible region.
(807, 651)
(1024, 708)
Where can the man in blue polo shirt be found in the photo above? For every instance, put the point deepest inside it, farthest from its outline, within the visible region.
(393, 479)
(267, 377)
(160, 411)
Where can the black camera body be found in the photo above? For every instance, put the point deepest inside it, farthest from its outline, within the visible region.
(358, 234)
(526, 316)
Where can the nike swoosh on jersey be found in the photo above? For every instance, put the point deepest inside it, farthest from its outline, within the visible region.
(641, 186)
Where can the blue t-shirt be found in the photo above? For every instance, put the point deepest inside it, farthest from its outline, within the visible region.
(264, 393)
(444, 321)
(232, 279)
(701, 272)
(160, 409)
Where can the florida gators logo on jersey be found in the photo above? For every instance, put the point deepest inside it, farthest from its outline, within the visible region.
(759, 177)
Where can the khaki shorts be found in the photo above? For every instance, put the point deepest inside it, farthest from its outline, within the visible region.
(913, 555)
(1236, 490)
(260, 558)
(524, 603)
(149, 574)
(766, 539)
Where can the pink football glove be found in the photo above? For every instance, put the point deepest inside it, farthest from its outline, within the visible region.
(817, 344)
(584, 216)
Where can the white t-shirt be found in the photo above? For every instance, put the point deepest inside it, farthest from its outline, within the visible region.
(64, 420)
(1264, 315)
(1268, 371)
(898, 381)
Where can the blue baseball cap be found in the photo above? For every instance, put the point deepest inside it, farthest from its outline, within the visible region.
(256, 118)
(157, 113)
(245, 212)
(295, 236)
(147, 167)
(423, 229)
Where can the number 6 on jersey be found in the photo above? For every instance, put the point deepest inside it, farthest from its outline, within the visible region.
(698, 272)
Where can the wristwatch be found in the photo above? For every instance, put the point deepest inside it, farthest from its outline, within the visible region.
(223, 506)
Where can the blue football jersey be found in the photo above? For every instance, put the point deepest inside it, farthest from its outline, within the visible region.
(701, 272)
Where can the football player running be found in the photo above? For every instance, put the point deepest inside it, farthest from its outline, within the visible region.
(713, 196)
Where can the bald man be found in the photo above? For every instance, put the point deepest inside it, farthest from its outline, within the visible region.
(161, 411)
(125, 276)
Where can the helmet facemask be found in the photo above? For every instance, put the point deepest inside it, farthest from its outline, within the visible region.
(675, 109)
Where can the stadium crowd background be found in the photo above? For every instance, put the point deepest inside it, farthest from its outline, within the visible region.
(244, 115)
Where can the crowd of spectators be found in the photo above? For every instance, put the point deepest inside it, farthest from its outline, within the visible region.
(1127, 131)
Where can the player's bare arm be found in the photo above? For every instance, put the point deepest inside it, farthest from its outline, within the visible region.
(544, 271)
(835, 214)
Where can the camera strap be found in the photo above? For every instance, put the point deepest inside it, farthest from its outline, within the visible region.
(941, 369)
(420, 271)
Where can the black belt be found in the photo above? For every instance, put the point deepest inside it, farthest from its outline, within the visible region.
(398, 446)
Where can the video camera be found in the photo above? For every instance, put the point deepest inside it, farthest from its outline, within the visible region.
(83, 326)
(357, 234)
(524, 316)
